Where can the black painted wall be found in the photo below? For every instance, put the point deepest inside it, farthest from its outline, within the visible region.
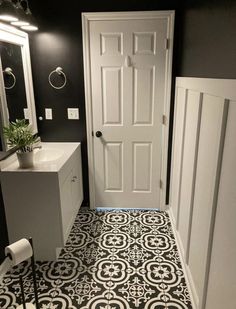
(205, 46)
(209, 40)
(60, 47)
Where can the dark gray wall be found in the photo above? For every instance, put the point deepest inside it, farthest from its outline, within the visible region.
(205, 43)
(60, 47)
(209, 40)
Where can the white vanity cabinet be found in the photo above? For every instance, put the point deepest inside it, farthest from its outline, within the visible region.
(71, 192)
(42, 202)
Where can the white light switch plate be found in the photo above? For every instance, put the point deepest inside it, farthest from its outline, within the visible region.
(48, 113)
(73, 113)
(26, 113)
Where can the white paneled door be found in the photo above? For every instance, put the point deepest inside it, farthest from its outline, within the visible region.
(128, 62)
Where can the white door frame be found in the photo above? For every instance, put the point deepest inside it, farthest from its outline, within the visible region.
(86, 18)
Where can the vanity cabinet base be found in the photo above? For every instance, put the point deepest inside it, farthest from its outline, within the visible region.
(43, 205)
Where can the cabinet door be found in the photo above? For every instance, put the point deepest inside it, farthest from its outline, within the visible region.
(77, 192)
(67, 205)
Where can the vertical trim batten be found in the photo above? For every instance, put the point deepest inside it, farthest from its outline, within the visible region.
(215, 199)
(194, 176)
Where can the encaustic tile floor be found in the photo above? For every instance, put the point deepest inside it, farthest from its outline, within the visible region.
(124, 259)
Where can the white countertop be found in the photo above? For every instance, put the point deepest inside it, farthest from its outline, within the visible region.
(11, 163)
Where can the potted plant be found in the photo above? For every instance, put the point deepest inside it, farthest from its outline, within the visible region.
(19, 134)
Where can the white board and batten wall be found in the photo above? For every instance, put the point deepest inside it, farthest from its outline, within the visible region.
(203, 188)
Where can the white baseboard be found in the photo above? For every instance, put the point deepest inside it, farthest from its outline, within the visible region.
(186, 270)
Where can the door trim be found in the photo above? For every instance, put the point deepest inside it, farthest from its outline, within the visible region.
(86, 18)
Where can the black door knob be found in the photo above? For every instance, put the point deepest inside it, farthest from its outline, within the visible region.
(98, 133)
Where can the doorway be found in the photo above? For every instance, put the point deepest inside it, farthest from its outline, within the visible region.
(127, 67)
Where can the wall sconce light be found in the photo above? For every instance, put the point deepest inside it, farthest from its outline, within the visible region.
(32, 24)
(8, 11)
(18, 14)
(22, 19)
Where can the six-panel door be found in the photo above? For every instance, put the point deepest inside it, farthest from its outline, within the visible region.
(128, 74)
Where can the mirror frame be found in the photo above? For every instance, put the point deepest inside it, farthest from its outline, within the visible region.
(12, 35)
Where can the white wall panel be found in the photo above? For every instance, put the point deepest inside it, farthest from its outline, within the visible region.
(180, 102)
(222, 278)
(203, 199)
(190, 148)
(212, 124)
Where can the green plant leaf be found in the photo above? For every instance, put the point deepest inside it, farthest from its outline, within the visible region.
(19, 134)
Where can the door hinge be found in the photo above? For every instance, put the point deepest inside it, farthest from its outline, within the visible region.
(161, 184)
(166, 44)
(164, 120)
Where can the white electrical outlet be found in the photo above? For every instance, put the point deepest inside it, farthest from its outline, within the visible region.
(48, 113)
(26, 113)
(73, 113)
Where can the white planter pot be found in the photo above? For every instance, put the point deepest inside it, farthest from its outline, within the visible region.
(26, 159)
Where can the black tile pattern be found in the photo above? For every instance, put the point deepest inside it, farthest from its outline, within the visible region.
(116, 259)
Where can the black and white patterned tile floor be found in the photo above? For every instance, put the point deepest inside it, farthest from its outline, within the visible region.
(118, 259)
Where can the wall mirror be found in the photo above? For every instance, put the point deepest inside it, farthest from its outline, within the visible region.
(16, 85)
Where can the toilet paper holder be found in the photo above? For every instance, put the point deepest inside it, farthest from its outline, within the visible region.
(24, 304)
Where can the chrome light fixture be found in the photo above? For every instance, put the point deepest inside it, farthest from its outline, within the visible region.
(8, 11)
(32, 26)
(22, 19)
(18, 13)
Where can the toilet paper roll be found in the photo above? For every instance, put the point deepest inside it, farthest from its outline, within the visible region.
(19, 251)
